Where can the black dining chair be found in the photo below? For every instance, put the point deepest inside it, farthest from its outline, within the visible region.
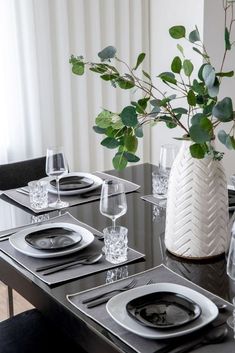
(15, 175)
(30, 332)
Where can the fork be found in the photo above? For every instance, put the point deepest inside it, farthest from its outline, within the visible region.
(131, 285)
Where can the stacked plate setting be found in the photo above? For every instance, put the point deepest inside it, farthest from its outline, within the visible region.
(51, 240)
(162, 310)
(75, 183)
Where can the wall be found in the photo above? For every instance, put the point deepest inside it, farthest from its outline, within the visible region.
(208, 15)
(165, 14)
(214, 40)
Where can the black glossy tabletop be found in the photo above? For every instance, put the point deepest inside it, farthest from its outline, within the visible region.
(145, 223)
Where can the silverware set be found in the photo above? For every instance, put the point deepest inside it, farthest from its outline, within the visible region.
(104, 297)
(63, 265)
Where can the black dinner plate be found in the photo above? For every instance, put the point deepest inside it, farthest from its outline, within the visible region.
(163, 310)
(73, 183)
(55, 238)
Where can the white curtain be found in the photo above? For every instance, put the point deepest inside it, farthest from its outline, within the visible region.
(41, 102)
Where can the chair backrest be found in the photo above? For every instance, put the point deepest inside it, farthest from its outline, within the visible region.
(14, 175)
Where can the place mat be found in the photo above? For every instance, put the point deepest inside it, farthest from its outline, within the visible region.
(73, 200)
(140, 344)
(155, 201)
(31, 263)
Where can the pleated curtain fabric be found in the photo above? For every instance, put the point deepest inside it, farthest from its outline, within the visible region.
(42, 102)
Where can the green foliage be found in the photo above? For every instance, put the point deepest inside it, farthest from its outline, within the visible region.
(194, 105)
(177, 32)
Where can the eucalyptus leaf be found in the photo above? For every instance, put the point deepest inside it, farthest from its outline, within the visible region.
(176, 65)
(103, 120)
(222, 136)
(99, 130)
(168, 77)
(129, 116)
(180, 111)
(198, 87)
(99, 68)
(200, 72)
(110, 142)
(208, 109)
(201, 132)
(232, 140)
(223, 110)
(131, 143)
(108, 77)
(181, 49)
(194, 36)
(78, 68)
(187, 67)
(107, 53)
(229, 142)
(227, 39)
(208, 74)
(131, 157)
(119, 161)
(171, 125)
(225, 74)
(197, 151)
(177, 32)
(125, 84)
(191, 98)
(213, 91)
(140, 59)
(196, 119)
(146, 75)
(201, 53)
(139, 132)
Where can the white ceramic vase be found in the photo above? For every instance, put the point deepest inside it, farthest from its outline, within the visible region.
(197, 207)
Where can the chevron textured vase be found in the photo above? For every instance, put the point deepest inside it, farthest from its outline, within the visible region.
(197, 207)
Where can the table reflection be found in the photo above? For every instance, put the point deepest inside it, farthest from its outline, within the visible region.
(209, 274)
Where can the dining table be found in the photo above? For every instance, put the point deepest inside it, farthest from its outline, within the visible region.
(145, 222)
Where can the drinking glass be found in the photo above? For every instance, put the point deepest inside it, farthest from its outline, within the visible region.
(161, 176)
(167, 155)
(113, 200)
(56, 166)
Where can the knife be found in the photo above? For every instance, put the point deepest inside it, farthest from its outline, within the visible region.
(86, 261)
(64, 262)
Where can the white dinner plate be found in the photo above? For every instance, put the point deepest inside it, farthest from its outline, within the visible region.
(17, 240)
(116, 308)
(97, 182)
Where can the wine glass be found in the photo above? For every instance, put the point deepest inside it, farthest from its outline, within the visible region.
(113, 200)
(56, 166)
(231, 272)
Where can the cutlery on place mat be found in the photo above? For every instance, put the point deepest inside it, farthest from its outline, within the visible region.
(108, 295)
(213, 336)
(67, 261)
(88, 261)
(123, 289)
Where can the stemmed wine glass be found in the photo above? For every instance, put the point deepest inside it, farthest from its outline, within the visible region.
(56, 166)
(113, 200)
(231, 272)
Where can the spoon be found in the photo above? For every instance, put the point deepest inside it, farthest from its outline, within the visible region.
(221, 306)
(91, 260)
(216, 335)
